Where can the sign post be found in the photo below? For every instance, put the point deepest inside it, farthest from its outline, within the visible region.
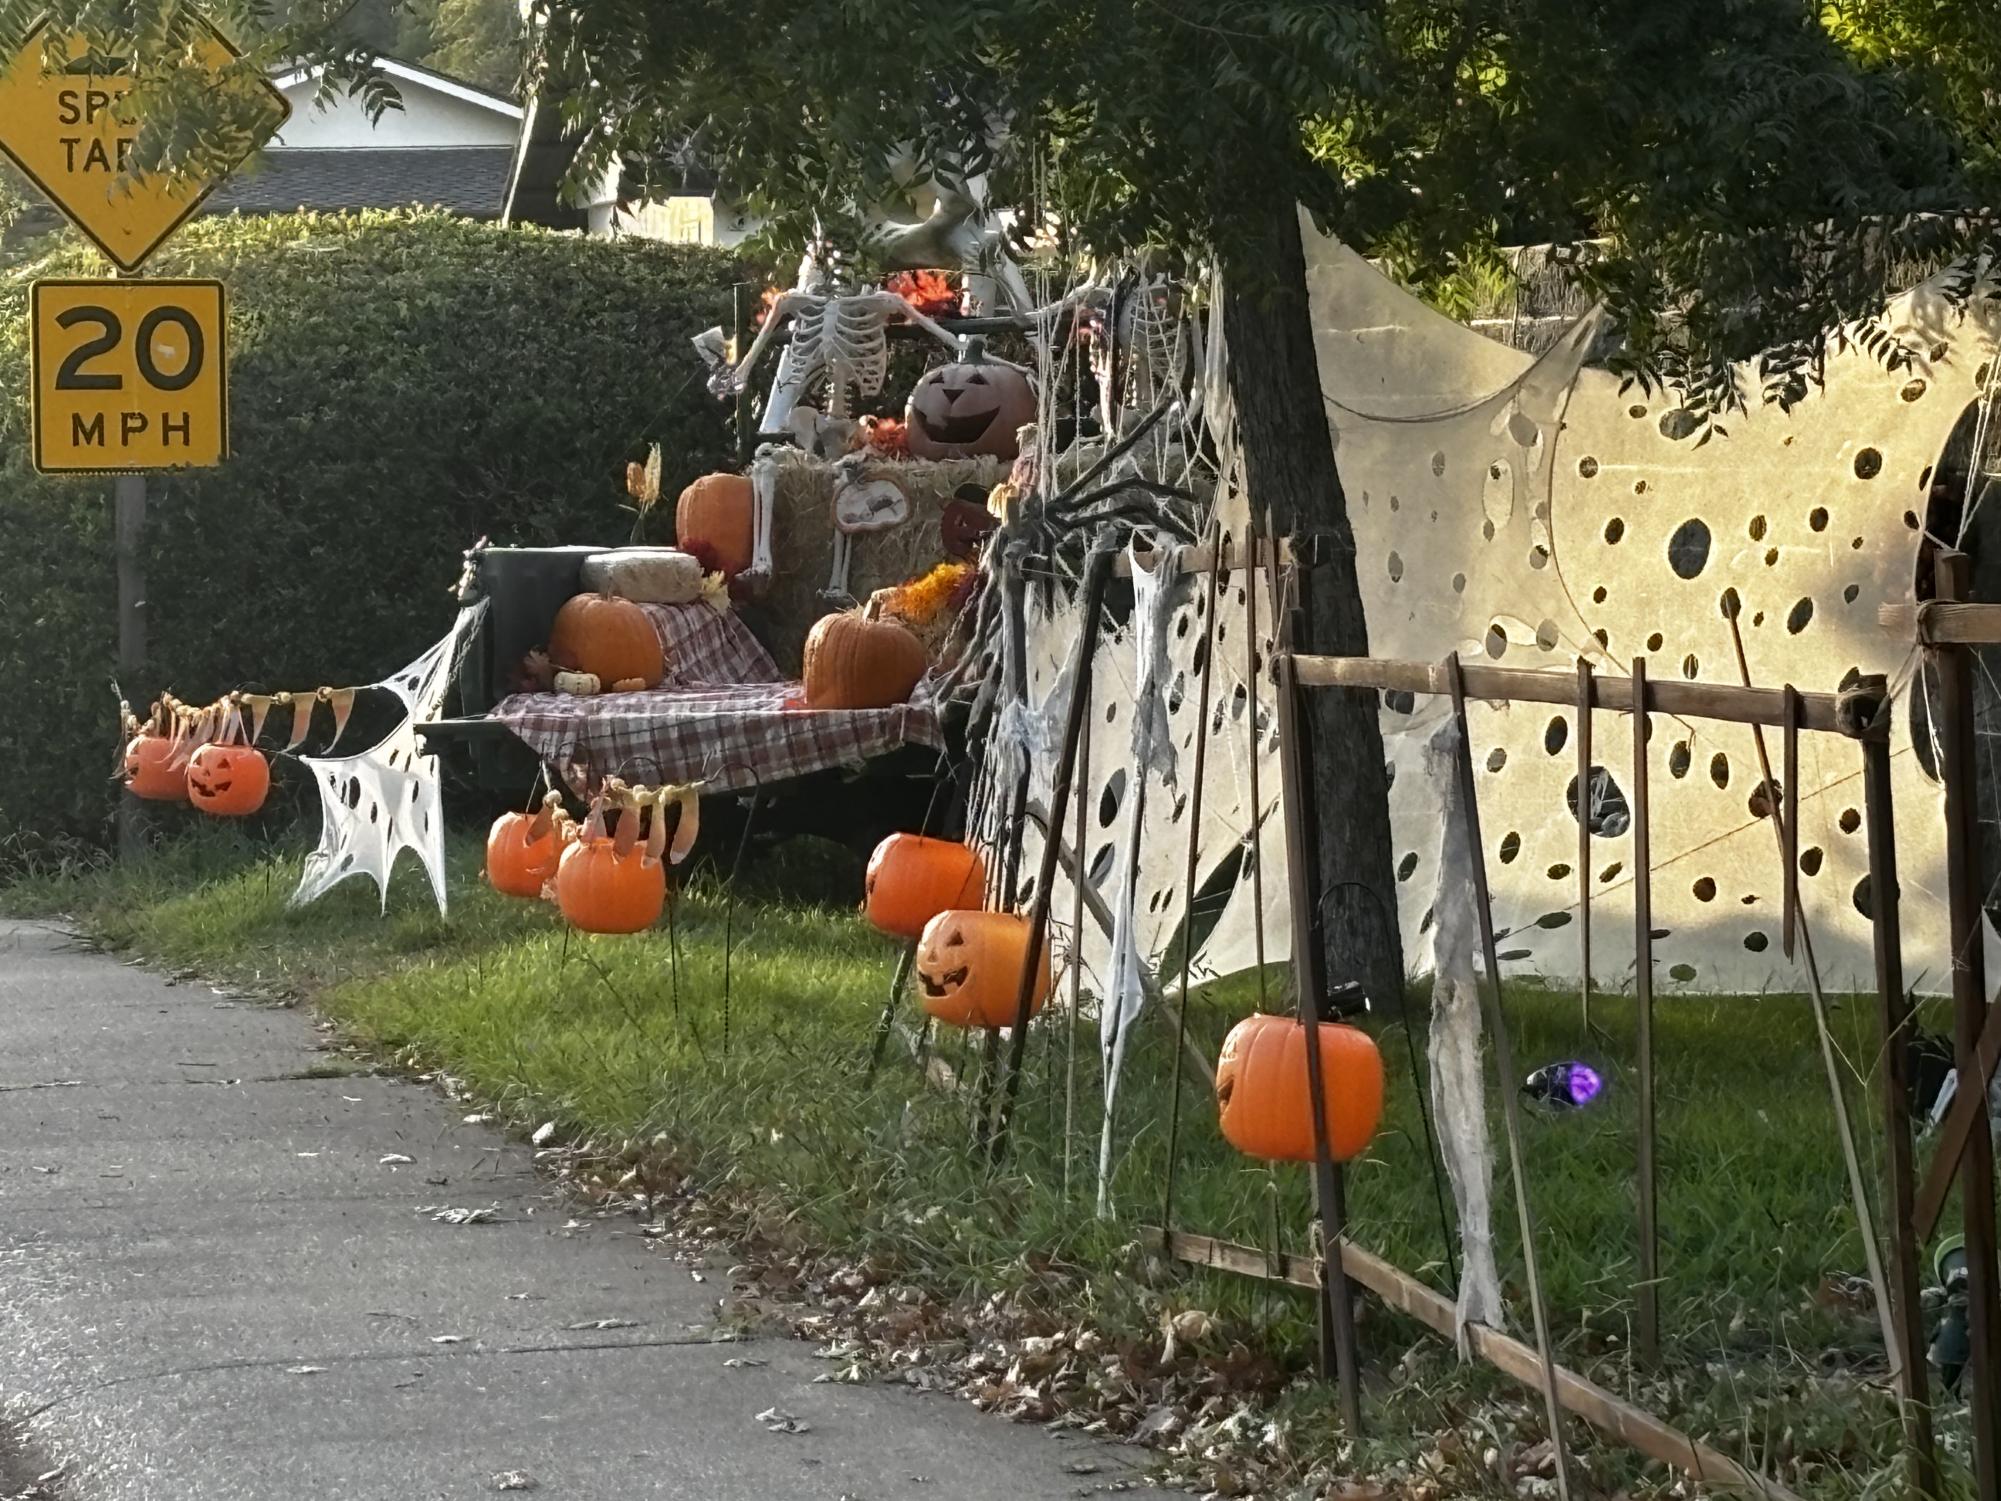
(129, 375)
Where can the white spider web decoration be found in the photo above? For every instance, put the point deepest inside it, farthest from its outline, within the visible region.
(386, 800)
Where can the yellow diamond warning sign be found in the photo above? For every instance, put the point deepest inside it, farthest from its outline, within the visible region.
(61, 128)
(128, 375)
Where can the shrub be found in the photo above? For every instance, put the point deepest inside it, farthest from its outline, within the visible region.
(400, 385)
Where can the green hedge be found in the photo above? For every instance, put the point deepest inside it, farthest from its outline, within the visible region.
(401, 384)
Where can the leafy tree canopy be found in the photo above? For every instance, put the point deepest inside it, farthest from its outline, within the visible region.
(1753, 176)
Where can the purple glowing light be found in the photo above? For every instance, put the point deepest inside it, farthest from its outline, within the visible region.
(1582, 1084)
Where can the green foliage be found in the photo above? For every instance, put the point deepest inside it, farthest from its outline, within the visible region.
(478, 41)
(401, 384)
(1748, 181)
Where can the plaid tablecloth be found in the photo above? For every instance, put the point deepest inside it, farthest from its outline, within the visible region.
(724, 714)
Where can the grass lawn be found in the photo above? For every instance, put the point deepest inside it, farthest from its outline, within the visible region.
(629, 1038)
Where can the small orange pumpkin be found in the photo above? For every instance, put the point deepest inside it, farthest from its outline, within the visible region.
(612, 639)
(602, 891)
(228, 781)
(856, 662)
(713, 520)
(911, 879)
(1264, 1100)
(522, 852)
(156, 769)
(969, 968)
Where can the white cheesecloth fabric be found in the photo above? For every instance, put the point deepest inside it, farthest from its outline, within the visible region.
(1458, 1062)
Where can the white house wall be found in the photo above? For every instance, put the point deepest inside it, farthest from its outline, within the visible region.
(427, 119)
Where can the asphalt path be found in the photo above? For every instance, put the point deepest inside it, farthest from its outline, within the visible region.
(225, 1275)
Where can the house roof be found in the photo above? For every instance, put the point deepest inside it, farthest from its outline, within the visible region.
(470, 180)
(422, 77)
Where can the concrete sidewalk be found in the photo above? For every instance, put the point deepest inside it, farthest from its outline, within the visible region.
(213, 1286)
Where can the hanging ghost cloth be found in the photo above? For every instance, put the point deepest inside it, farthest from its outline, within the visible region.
(386, 799)
(1458, 1064)
(1152, 752)
(1029, 736)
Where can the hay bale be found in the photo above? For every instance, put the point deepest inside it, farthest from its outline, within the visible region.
(802, 540)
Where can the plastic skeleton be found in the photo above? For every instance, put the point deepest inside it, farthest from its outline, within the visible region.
(1154, 343)
(839, 345)
(839, 348)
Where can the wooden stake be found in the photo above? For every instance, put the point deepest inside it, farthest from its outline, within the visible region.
(1504, 1060)
(1957, 770)
(1894, 1014)
(1193, 865)
(1786, 807)
(1784, 818)
(1309, 963)
(1648, 1290)
(1077, 883)
(1252, 677)
(1015, 830)
(1584, 837)
(1604, 1410)
(1096, 573)
(129, 534)
(887, 1021)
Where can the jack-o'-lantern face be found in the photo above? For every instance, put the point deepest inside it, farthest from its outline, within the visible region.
(228, 781)
(969, 967)
(973, 407)
(962, 527)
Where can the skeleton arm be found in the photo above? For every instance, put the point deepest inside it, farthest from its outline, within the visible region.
(891, 303)
(728, 382)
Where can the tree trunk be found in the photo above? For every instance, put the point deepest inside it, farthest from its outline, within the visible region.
(1289, 469)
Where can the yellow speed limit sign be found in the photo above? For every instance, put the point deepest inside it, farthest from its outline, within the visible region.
(128, 376)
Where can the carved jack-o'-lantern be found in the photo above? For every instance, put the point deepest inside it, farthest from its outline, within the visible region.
(911, 879)
(601, 890)
(969, 968)
(963, 526)
(1264, 1101)
(972, 407)
(228, 781)
(156, 769)
(522, 850)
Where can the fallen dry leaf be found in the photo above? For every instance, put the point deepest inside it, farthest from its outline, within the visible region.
(778, 1420)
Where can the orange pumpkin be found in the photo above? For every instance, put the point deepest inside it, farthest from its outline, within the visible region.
(1263, 1096)
(522, 851)
(974, 406)
(156, 769)
(969, 968)
(854, 662)
(713, 520)
(911, 879)
(228, 781)
(601, 891)
(612, 639)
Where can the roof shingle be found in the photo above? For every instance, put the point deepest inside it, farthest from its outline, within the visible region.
(470, 180)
